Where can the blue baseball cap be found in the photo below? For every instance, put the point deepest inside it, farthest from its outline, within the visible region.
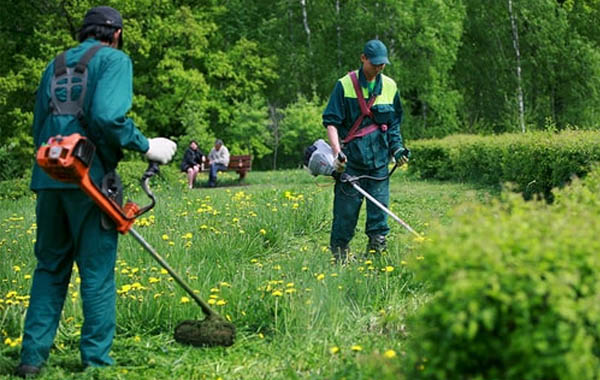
(376, 52)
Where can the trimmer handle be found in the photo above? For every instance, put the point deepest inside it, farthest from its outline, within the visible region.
(152, 169)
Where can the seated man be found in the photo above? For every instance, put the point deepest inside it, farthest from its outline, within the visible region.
(218, 159)
(192, 162)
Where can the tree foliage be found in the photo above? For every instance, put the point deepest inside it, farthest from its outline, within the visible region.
(256, 73)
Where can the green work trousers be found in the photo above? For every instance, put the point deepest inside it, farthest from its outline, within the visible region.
(347, 202)
(68, 231)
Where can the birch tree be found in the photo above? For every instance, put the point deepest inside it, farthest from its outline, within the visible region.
(515, 41)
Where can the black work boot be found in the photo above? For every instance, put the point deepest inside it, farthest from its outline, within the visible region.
(376, 245)
(27, 371)
(340, 254)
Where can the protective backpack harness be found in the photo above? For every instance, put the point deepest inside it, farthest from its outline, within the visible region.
(365, 109)
(67, 79)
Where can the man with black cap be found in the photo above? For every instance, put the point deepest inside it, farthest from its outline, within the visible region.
(86, 90)
(363, 119)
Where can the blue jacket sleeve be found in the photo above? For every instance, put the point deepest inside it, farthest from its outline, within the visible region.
(334, 113)
(394, 133)
(112, 101)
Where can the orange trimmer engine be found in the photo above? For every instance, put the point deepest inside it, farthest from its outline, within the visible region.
(68, 159)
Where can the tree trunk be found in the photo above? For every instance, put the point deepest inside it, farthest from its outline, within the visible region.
(305, 23)
(515, 35)
(338, 29)
(275, 118)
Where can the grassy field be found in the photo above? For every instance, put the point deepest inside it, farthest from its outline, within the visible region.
(258, 254)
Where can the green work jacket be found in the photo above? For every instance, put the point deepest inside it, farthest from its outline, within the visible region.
(374, 150)
(107, 101)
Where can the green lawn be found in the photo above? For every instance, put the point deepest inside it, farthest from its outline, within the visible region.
(258, 253)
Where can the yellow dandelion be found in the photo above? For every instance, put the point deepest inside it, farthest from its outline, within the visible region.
(165, 237)
(184, 300)
(16, 268)
(389, 354)
(334, 350)
(212, 301)
(221, 302)
(389, 268)
(277, 293)
(153, 280)
(320, 276)
(356, 348)
(263, 231)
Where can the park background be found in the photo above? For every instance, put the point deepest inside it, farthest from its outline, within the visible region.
(257, 73)
(501, 100)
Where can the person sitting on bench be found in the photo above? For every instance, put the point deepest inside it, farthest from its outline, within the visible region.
(218, 159)
(192, 162)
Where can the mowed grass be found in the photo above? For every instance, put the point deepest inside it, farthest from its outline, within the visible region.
(257, 252)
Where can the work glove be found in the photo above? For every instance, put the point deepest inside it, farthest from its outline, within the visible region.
(340, 162)
(402, 155)
(160, 150)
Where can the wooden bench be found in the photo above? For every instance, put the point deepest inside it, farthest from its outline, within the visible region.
(239, 164)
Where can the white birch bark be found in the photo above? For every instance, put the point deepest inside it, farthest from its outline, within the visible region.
(338, 29)
(305, 22)
(515, 35)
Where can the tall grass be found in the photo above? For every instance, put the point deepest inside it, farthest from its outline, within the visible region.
(257, 252)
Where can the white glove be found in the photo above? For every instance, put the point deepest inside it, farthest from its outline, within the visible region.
(161, 150)
(340, 162)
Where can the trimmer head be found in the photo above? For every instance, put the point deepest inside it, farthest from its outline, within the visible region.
(212, 331)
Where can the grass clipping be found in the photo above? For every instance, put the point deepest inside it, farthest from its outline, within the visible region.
(212, 331)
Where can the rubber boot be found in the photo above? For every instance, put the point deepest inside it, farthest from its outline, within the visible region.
(340, 254)
(377, 244)
(27, 371)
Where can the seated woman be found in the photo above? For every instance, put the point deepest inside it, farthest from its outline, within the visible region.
(192, 162)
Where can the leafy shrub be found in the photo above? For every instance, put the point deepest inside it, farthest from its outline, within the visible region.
(15, 188)
(514, 291)
(535, 162)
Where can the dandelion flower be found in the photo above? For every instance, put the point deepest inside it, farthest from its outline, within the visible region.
(277, 293)
(389, 354)
(184, 300)
(389, 268)
(263, 231)
(320, 277)
(221, 302)
(356, 348)
(334, 350)
(165, 237)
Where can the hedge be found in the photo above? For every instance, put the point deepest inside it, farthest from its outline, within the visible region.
(514, 290)
(534, 162)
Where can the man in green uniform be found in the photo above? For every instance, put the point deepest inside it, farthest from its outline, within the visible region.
(363, 136)
(68, 222)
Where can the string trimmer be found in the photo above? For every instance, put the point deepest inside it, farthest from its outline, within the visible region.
(68, 159)
(318, 159)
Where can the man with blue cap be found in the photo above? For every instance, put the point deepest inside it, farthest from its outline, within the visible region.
(363, 118)
(85, 90)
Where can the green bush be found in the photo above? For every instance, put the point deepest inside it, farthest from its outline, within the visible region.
(535, 162)
(16, 188)
(515, 291)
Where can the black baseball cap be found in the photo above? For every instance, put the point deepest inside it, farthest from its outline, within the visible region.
(103, 15)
